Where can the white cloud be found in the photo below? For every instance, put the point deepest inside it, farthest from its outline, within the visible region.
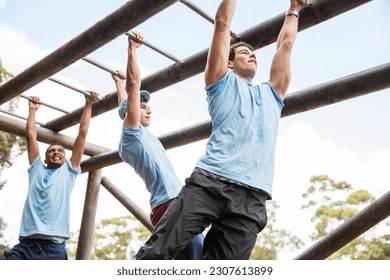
(376, 175)
(17, 52)
(2, 5)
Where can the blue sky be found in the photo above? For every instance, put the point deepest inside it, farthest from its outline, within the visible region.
(348, 140)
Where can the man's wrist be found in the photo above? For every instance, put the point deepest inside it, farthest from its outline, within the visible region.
(292, 13)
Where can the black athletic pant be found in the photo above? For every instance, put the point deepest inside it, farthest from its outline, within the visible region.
(236, 214)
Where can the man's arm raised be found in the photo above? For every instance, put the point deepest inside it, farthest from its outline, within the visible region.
(31, 129)
(79, 144)
(218, 54)
(280, 73)
(133, 84)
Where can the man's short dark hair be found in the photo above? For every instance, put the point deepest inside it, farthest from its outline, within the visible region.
(53, 144)
(232, 53)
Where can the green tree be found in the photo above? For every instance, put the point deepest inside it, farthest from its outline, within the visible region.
(272, 240)
(114, 239)
(337, 202)
(10, 147)
(3, 245)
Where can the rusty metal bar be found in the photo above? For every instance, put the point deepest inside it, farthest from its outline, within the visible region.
(45, 104)
(186, 135)
(342, 89)
(101, 66)
(105, 159)
(100, 161)
(352, 86)
(204, 15)
(350, 230)
(259, 36)
(48, 136)
(87, 226)
(126, 17)
(130, 205)
(156, 49)
(18, 116)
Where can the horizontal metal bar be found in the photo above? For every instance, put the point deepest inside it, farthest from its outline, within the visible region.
(18, 116)
(146, 43)
(45, 104)
(101, 66)
(69, 86)
(47, 136)
(130, 15)
(203, 14)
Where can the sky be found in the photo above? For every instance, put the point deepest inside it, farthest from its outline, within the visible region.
(346, 141)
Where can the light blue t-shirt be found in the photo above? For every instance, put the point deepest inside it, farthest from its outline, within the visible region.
(245, 121)
(145, 153)
(47, 206)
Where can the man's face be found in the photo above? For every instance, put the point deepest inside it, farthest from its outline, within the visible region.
(244, 63)
(55, 156)
(145, 114)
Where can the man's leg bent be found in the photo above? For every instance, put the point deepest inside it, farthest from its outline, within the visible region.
(233, 235)
(188, 215)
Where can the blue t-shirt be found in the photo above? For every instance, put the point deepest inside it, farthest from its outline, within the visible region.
(47, 206)
(245, 121)
(145, 153)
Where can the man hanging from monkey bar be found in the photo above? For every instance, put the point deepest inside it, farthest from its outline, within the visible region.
(143, 151)
(45, 220)
(230, 184)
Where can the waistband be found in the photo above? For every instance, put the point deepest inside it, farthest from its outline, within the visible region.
(230, 181)
(34, 241)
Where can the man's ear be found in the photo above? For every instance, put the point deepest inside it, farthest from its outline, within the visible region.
(230, 64)
(44, 161)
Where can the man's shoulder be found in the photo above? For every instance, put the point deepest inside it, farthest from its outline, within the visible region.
(70, 169)
(36, 164)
